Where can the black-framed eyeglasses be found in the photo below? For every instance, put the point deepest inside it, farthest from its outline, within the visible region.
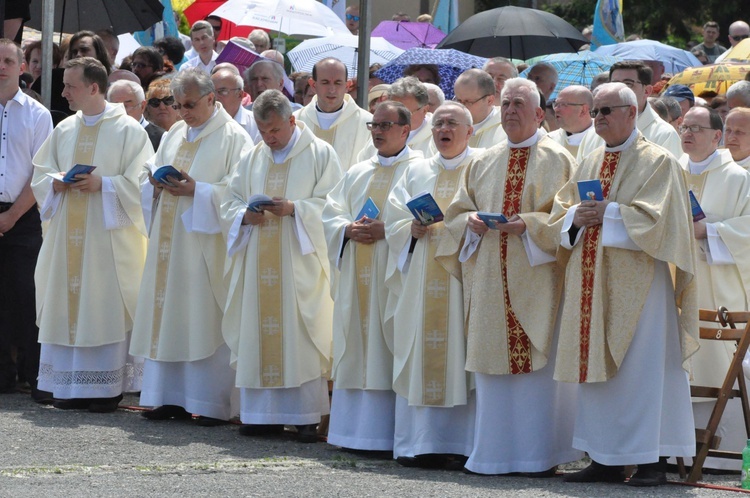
(606, 111)
(155, 102)
(693, 128)
(628, 83)
(467, 103)
(383, 125)
(350, 17)
(739, 37)
(188, 105)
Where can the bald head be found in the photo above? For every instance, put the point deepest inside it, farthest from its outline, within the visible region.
(737, 133)
(273, 55)
(545, 77)
(738, 31)
(572, 108)
(329, 83)
(476, 90)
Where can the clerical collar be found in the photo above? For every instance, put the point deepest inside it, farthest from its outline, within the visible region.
(326, 119)
(576, 138)
(697, 167)
(413, 133)
(745, 163)
(92, 120)
(478, 126)
(390, 161)
(533, 139)
(279, 156)
(456, 161)
(192, 133)
(627, 143)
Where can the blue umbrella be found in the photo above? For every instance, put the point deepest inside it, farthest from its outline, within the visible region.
(674, 59)
(451, 63)
(574, 69)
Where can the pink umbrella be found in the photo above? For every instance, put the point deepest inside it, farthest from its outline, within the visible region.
(406, 35)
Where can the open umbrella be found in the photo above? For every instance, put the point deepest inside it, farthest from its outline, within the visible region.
(408, 35)
(199, 9)
(343, 47)
(123, 16)
(674, 59)
(514, 32)
(575, 69)
(292, 17)
(740, 52)
(451, 63)
(711, 78)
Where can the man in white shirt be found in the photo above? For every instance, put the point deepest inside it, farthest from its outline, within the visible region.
(229, 92)
(202, 38)
(131, 96)
(24, 126)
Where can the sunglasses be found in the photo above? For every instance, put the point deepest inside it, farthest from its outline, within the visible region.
(167, 101)
(606, 111)
(383, 125)
(350, 17)
(739, 37)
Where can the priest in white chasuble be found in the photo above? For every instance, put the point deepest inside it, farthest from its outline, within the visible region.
(476, 90)
(622, 338)
(277, 319)
(722, 239)
(333, 116)
(434, 407)
(512, 289)
(91, 260)
(737, 135)
(362, 408)
(181, 302)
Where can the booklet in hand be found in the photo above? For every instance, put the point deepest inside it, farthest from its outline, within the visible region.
(492, 219)
(370, 209)
(425, 209)
(70, 176)
(698, 213)
(590, 190)
(167, 175)
(258, 202)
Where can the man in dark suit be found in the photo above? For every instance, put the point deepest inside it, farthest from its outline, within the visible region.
(131, 95)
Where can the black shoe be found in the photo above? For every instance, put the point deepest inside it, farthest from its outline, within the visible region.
(544, 474)
(307, 433)
(597, 472)
(72, 404)
(42, 397)
(104, 405)
(167, 412)
(431, 462)
(210, 422)
(650, 474)
(261, 430)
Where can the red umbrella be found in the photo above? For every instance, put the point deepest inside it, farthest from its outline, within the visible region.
(199, 9)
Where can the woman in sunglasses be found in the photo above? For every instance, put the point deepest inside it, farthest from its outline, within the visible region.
(160, 110)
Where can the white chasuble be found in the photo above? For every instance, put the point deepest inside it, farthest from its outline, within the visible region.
(489, 132)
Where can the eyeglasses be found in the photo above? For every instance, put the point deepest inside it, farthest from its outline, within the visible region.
(189, 105)
(155, 102)
(693, 128)
(216, 28)
(739, 37)
(627, 83)
(450, 124)
(606, 111)
(383, 125)
(557, 105)
(138, 65)
(350, 17)
(226, 91)
(467, 103)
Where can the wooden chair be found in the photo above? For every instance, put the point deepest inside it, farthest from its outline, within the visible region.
(706, 440)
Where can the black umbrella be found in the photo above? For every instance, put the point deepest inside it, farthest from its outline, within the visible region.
(514, 32)
(123, 16)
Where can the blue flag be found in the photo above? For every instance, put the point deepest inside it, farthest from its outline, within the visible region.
(167, 27)
(446, 15)
(608, 28)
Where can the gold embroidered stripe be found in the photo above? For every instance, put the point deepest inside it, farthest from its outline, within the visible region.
(77, 210)
(328, 136)
(167, 214)
(436, 300)
(269, 287)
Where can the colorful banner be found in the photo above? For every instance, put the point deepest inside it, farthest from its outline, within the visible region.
(608, 27)
(446, 15)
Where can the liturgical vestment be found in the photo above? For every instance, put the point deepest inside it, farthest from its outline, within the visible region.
(489, 132)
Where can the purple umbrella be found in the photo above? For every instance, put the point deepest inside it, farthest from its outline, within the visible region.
(406, 35)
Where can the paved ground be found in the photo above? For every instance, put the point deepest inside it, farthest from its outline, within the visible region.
(48, 452)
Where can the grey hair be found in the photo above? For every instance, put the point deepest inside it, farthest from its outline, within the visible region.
(625, 94)
(404, 116)
(659, 108)
(258, 34)
(227, 71)
(518, 83)
(409, 86)
(459, 106)
(243, 42)
(549, 68)
(278, 69)
(134, 87)
(191, 77)
(271, 102)
(740, 90)
(673, 107)
(502, 60)
(435, 90)
(200, 25)
(480, 78)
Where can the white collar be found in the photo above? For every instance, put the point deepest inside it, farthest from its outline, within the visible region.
(326, 119)
(624, 145)
(532, 140)
(92, 120)
(478, 126)
(745, 163)
(576, 138)
(279, 156)
(19, 97)
(413, 133)
(455, 162)
(192, 133)
(697, 167)
(390, 161)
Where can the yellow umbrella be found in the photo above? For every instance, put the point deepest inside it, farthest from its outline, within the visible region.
(740, 52)
(711, 78)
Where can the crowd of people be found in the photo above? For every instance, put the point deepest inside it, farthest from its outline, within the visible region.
(280, 273)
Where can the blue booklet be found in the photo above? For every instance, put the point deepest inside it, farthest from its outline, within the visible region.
(167, 175)
(70, 176)
(698, 213)
(257, 202)
(492, 219)
(590, 190)
(425, 209)
(370, 209)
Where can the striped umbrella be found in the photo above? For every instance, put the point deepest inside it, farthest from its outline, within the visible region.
(574, 69)
(344, 48)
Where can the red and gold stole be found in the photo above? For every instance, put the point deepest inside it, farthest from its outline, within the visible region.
(519, 345)
(77, 210)
(588, 264)
(182, 161)
(436, 309)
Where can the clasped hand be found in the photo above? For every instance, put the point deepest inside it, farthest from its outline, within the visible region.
(590, 213)
(365, 231)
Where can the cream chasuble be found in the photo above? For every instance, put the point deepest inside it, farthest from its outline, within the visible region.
(604, 292)
(489, 132)
(362, 339)
(277, 319)
(87, 277)
(429, 352)
(182, 297)
(348, 134)
(510, 306)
